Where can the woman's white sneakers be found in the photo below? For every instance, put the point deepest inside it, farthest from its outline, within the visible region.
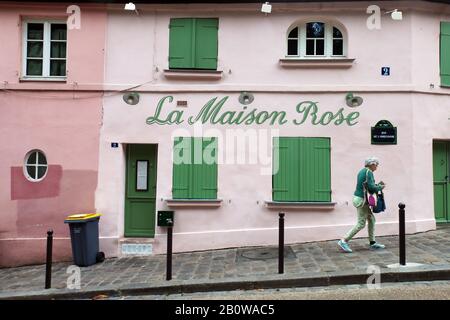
(377, 246)
(344, 246)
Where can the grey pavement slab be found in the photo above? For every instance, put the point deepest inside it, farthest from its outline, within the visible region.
(317, 263)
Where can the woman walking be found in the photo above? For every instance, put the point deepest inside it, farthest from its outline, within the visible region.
(365, 184)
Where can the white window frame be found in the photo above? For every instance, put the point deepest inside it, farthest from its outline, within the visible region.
(328, 45)
(36, 165)
(46, 51)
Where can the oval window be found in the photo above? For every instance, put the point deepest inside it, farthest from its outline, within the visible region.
(35, 168)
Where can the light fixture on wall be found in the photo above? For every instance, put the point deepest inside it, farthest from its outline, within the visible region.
(131, 98)
(130, 6)
(246, 98)
(266, 8)
(396, 14)
(353, 101)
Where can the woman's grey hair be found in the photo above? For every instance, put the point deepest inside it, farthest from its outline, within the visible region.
(371, 160)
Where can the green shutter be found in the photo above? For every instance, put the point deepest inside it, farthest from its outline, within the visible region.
(304, 169)
(204, 171)
(195, 168)
(181, 55)
(285, 184)
(445, 54)
(206, 43)
(181, 168)
(315, 183)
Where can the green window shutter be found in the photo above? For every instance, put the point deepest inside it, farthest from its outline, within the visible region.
(181, 55)
(304, 169)
(195, 168)
(181, 168)
(445, 54)
(206, 43)
(314, 179)
(285, 184)
(204, 169)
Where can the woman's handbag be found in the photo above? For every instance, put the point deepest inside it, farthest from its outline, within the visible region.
(371, 201)
(370, 198)
(378, 205)
(381, 205)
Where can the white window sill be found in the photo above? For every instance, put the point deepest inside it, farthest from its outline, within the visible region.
(193, 74)
(210, 203)
(44, 79)
(333, 62)
(300, 205)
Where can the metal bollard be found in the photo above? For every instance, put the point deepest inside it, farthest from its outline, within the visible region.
(281, 243)
(401, 231)
(169, 253)
(48, 265)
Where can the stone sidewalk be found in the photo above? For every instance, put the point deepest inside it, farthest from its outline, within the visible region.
(306, 260)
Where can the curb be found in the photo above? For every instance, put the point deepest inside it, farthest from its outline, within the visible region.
(317, 279)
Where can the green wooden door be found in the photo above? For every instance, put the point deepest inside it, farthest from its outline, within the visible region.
(140, 190)
(441, 164)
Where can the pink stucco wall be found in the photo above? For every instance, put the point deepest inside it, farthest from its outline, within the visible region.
(63, 124)
(250, 62)
(74, 122)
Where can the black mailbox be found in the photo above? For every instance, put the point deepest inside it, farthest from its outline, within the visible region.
(165, 218)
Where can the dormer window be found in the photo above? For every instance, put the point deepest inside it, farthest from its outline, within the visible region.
(315, 39)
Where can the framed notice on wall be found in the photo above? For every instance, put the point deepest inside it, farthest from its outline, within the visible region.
(384, 133)
(142, 175)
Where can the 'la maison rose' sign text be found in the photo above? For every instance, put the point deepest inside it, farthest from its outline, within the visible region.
(212, 113)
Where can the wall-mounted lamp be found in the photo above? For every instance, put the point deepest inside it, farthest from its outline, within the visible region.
(131, 98)
(396, 15)
(353, 101)
(130, 6)
(246, 98)
(266, 8)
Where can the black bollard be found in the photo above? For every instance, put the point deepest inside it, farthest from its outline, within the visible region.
(401, 231)
(48, 266)
(169, 254)
(281, 244)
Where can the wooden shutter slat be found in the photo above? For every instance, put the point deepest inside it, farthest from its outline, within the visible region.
(181, 44)
(206, 43)
(445, 53)
(181, 171)
(285, 180)
(205, 173)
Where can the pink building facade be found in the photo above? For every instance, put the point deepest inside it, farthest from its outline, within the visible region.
(267, 97)
(263, 63)
(58, 115)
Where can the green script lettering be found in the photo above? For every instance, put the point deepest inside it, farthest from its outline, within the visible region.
(212, 112)
(175, 116)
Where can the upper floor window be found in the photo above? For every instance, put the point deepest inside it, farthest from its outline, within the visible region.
(44, 49)
(193, 43)
(315, 39)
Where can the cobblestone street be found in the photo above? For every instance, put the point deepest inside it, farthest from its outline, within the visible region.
(430, 248)
(422, 290)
